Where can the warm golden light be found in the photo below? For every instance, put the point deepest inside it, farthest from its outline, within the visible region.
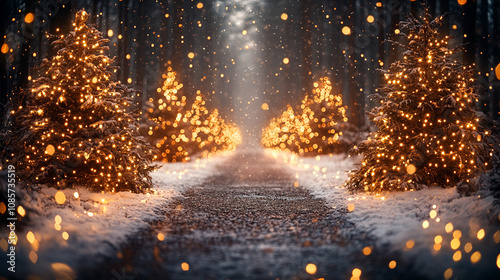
(425, 224)
(351, 207)
(475, 257)
(480, 234)
(33, 256)
(311, 268)
(392, 264)
(185, 266)
(449, 227)
(370, 19)
(457, 256)
(497, 69)
(29, 18)
(448, 273)
(411, 169)
(21, 211)
(265, 106)
(462, 2)
(50, 150)
(346, 30)
(63, 271)
(5, 48)
(60, 197)
(191, 55)
(30, 237)
(284, 16)
(356, 273)
(160, 236)
(286, 60)
(468, 247)
(367, 251)
(438, 239)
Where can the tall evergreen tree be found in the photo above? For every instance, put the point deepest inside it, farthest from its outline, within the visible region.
(429, 132)
(75, 125)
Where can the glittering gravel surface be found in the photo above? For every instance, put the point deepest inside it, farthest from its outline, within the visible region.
(247, 222)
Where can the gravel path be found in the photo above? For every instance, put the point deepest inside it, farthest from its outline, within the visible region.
(247, 222)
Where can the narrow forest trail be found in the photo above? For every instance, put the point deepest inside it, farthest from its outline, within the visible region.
(246, 222)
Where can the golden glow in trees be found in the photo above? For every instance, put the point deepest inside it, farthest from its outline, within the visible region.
(76, 126)
(428, 130)
(181, 129)
(315, 127)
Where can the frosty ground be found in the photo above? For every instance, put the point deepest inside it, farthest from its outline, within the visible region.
(387, 235)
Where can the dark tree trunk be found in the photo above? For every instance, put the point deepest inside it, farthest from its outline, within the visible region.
(140, 53)
(126, 44)
(495, 102)
(177, 56)
(444, 6)
(469, 23)
(305, 14)
(4, 89)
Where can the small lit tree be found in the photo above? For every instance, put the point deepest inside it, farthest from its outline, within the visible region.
(76, 125)
(327, 117)
(314, 128)
(283, 133)
(166, 119)
(181, 130)
(428, 130)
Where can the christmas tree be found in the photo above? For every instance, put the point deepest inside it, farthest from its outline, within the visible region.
(75, 125)
(429, 132)
(166, 119)
(180, 130)
(283, 133)
(316, 128)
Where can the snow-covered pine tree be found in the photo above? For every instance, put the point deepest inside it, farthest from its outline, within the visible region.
(76, 124)
(429, 132)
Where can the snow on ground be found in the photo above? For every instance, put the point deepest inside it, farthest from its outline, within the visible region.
(93, 223)
(436, 231)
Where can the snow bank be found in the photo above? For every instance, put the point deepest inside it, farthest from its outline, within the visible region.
(81, 231)
(434, 231)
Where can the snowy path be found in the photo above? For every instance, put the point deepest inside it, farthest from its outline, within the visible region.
(258, 215)
(247, 222)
